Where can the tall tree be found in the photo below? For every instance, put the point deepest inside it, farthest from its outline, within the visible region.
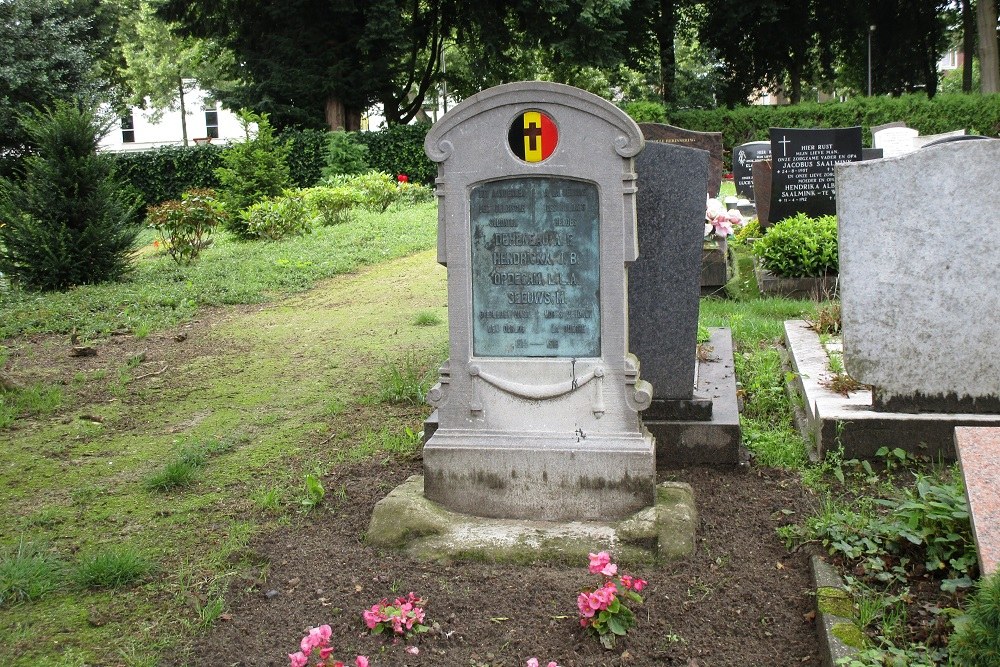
(161, 68)
(989, 61)
(49, 51)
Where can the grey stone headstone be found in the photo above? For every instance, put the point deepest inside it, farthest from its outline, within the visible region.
(920, 296)
(665, 283)
(708, 141)
(538, 404)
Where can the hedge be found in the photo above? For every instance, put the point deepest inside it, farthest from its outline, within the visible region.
(399, 149)
(977, 114)
(164, 173)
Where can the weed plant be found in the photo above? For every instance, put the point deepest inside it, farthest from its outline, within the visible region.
(426, 318)
(112, 567)
(405, 381)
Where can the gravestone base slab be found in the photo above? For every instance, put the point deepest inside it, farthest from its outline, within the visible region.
(696, 408)
(716, 267)
(817, 289)
(687, 442)
(828, 420)
(406, 520)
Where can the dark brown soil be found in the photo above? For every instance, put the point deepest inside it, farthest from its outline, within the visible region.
(741, 600)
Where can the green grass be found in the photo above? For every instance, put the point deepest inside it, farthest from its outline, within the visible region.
(161, 293)
(34, 401)
(28, 573)
(112, 567)
(406, 380)
(427, 318)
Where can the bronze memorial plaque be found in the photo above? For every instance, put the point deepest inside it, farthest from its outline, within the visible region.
(536, 268)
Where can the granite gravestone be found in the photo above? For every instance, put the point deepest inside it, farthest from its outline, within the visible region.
(538, 404)
(895, 140)
(761, 173)
(664, 283)
(744, 157)
(919, 300)
(802, 177)
(708, 141)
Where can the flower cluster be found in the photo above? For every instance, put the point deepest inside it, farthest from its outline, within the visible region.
(405, 616)
(719, 220)
(602, 609)
(318, 640)
(533, 662)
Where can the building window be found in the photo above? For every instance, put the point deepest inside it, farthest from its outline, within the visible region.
(128, 129)
(212, 123)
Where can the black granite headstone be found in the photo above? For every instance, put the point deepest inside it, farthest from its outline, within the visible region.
(802, 160)
(871, 153)
(743, 158)
(665, 282)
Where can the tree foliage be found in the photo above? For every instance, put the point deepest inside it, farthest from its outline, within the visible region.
(69, 221)
(49, 51)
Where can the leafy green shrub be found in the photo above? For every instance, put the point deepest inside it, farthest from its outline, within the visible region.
(275, 218)
(976, 640)
(345, 154)
(800, 247)
(642, 111)
(751, 230)
(184, 226)
(399, 149)
(254, 168)
(69, 222)
(377, 190)
(414, 193)
(331, 205)
(167, 172)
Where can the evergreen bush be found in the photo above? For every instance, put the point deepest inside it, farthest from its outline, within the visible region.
(254, 168)
(800, 247)
(976, 641)
(69, 221)
(345, 154)
(306, 155)
(399, 149)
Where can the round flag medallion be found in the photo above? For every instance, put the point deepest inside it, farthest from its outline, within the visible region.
(533, 136)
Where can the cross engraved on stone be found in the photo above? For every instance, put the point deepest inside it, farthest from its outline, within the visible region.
(784, 147)
(533, 132)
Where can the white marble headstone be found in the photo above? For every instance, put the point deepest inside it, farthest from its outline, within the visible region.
(919, 277)
(895, 141)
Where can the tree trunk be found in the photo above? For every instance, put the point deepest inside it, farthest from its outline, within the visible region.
(184, 124)
(989, 61)
(795, 76)
(340, 117)
(666, 27)
(968, 44)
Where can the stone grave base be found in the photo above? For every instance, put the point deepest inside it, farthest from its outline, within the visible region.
(828, 420)
(716, 267)
(817, 289)
(714, 441)
(406, 520)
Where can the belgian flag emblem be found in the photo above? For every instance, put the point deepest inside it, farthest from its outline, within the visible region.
(533, 136)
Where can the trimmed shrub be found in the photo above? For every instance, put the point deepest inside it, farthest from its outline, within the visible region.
(751, 230)
(70, 221)
(167, 172)
(642, 111)
(414, 193)
(399, 149)
(275, 218)
(306, 155)
(377, 190)
(254, 168)
(976, 640)
(331, 205)
(184, 226)
(800, 247)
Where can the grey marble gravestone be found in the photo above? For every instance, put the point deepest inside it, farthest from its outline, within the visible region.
(744, 157)
(664, 283)
(708, 141)
(538, 404)
(919, 301)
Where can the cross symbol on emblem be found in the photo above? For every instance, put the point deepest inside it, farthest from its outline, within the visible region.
(533, 133)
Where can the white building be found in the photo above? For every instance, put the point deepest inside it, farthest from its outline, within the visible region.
(207, 122)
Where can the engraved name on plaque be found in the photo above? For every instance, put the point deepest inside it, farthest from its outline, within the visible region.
(536, 268)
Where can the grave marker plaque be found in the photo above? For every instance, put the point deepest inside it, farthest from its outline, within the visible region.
(802, 176)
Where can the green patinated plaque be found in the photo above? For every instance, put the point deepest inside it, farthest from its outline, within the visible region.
(536, 272)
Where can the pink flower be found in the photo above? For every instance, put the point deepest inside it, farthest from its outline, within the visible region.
(583, 604)
(714, 208)
(298, 659)
(735, 217)
(598, 562)
(402, 178)
(638, 585)
(552, 663)
(610, 570)
(325, 652)
(412, 650)
(532, 662)
(722, 226)
(361, 661)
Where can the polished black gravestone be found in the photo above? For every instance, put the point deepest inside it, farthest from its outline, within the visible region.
(664, 287)
(744, 157)
(802, 160)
